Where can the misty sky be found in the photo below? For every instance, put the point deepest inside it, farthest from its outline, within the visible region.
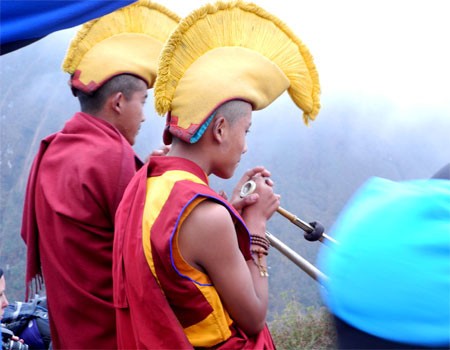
(395, 51)
(390, 48)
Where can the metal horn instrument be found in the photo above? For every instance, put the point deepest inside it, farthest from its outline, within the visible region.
(248, 188)
(297, 259)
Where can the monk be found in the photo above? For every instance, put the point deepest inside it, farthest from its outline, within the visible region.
(190, 266)
(80, 173)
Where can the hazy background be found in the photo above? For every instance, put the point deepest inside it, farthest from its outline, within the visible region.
(384, 72)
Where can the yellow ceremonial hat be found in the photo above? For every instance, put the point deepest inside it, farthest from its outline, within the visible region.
(226, 51)
(126, 41)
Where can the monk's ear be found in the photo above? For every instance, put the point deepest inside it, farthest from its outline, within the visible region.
(219, 128)
(115, 101)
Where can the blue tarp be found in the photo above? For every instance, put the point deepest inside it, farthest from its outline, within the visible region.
(26, 21)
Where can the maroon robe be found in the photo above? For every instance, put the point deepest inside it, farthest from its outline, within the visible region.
(145, 319)
(75, 186)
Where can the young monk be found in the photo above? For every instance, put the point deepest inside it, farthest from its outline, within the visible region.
(189, 266)
(80, 173)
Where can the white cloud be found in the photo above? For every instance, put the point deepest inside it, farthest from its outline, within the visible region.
(396, 49)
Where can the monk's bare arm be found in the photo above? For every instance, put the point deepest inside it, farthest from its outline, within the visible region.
(208, 242)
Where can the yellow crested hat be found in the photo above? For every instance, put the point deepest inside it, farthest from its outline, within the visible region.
(226, 51)
(126, 41)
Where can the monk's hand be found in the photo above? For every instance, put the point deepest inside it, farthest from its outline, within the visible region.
(238, 202)
(159, 152)
(223, 194)
(267, 201)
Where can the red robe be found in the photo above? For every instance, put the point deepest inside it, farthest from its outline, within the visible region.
(75, 186)
(142, 308)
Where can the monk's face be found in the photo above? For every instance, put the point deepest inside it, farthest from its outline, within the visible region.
(133, 114)
(235, 143)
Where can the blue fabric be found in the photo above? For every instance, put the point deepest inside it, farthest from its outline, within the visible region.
(32, 337)
(201, 130)
(29, 321)
(389, 275)
(24, 21)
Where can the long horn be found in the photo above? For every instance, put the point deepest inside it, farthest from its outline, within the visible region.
(304, 225)
(250, 186)
(284, 249)
(297, 259)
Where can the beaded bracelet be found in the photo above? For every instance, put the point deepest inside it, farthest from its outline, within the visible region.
(260, 241)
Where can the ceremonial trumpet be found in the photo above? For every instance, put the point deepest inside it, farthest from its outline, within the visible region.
(314, 233)
(248, 188)
(297, 259)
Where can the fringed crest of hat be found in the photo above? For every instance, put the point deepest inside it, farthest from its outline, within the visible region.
(231, 50)
(126, 41)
